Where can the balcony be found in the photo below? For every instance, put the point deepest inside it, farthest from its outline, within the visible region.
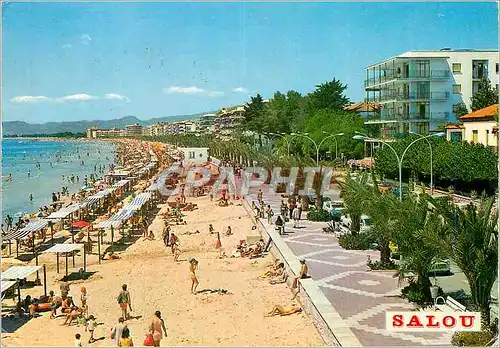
(395, 74)
(406, 118)
(412, 96)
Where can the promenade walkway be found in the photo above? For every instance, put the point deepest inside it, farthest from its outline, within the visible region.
(359, 296)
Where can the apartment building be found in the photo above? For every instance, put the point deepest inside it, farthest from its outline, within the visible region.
(417, 89)
(133, 130)
(479, 127)
(206, 123)
(94, 133)
(228, 119)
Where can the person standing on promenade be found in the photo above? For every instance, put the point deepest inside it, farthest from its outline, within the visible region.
(259, 195)
(296, 217)
(193, 265)
(124, 301)
(270, 215)
(156, 328)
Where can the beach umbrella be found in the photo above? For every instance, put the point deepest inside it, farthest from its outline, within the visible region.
(40, 214)
(80, 224)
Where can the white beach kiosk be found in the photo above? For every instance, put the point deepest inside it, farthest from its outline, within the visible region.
(195, 155)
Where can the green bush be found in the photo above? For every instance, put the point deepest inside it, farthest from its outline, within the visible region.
(419, 294)
(315, 215)
(377, 265)
(471, 339)
(355, 242)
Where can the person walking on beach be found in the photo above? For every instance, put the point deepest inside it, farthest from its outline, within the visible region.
(124, 301)
(166, 235)
(8, 222)
(173, 240)
(91, 324)
(193, 265)
(125, 340)
(156, 328)
(116, 332)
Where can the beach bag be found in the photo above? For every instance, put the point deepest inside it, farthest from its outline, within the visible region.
(148, 341)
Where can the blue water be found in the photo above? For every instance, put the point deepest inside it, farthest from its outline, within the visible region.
(20, 156)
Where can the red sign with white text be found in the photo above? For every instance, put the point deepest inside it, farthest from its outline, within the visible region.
(433, 321)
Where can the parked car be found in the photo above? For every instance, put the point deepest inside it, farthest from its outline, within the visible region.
(365, 222)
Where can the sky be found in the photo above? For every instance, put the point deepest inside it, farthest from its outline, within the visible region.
(77, 61)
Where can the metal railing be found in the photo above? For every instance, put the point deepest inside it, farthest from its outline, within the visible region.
(393, 74)
(412, 96)
(388, 116)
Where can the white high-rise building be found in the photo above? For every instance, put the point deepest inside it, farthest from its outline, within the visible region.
(417, 89)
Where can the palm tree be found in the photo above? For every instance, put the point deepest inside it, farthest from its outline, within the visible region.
(354, 193)
(473, 241)
(420, 236)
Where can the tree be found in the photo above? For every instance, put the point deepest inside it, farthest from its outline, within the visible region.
(459, 110)
(328, 95)
(254, 116)
(485, 96)
(419, 235)
(473, 241)
(353, 193)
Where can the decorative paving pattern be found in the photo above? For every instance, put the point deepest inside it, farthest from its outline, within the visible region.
(359, 296)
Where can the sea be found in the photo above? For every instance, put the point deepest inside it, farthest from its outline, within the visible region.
(37, 167)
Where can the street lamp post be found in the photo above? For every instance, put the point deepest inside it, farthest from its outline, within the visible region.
(361, 136)
(430, 148)
(334, 138)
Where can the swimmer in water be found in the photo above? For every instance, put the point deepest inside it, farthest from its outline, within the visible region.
(31, 197)
(29, 173)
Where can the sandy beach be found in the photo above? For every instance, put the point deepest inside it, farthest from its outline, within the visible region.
(156, 282)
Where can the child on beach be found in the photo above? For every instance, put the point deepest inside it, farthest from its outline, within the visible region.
(193, 265)
(83, 300)
(91, 324)
(177, 252)
(124, 301)
(78, 342)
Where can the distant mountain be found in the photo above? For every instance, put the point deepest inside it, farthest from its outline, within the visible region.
(24, 128)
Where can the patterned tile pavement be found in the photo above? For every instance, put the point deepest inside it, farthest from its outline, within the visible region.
(361, 297)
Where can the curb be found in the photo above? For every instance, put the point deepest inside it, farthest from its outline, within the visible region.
(331, 327)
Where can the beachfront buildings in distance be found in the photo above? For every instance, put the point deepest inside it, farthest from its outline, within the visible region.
(132, 130)
(417, 89)
(479, 127)
(94, 133)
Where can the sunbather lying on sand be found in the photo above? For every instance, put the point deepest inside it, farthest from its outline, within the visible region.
(281, 279)
(276, 271)
(280, 310)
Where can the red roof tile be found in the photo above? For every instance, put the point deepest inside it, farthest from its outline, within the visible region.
(487, 112)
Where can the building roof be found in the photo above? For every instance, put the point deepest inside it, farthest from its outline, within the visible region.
(488, 112)
(454, 126)
(364, 106)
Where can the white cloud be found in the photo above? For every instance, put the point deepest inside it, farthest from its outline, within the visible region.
(78, 97)
(192, 90)
(215, 94)
(240, 90)
(113, 96)
(85, 39)
(184, 90)
(30, 99)
(67, 46)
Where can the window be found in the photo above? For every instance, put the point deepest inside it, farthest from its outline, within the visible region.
(487, 136)
(191, 154)
(474, 136)
(457, 89)
(456, 67)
